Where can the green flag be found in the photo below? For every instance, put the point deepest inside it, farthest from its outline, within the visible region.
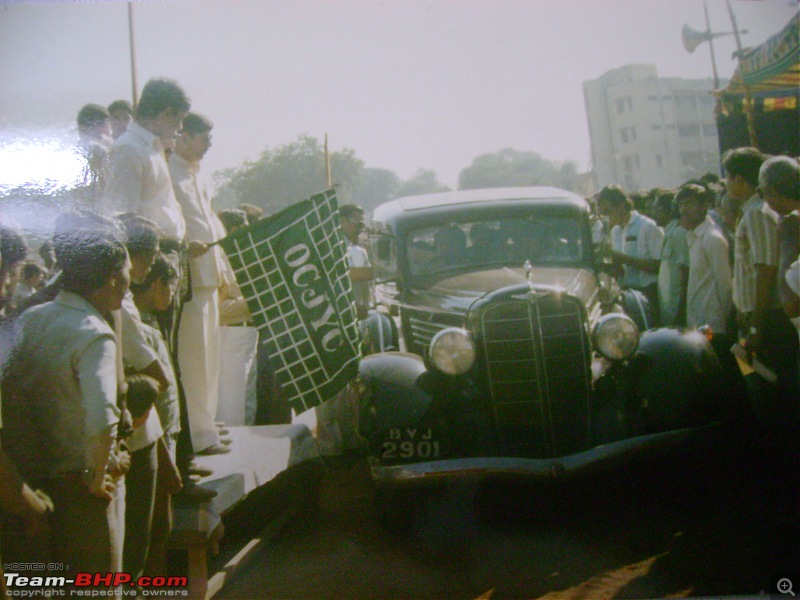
(292, 270)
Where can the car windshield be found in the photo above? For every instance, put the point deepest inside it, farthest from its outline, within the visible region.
(507, 242)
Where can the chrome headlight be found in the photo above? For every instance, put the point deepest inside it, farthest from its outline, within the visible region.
(452, 351)
(616, 336)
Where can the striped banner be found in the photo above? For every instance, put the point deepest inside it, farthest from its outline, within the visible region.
(292, 269)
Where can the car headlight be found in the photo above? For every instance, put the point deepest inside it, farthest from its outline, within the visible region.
(616, 336)
(452, 351)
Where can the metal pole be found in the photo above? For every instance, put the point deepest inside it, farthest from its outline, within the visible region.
(711, 48)
(748, 100)
(328, 164)
(134, 87)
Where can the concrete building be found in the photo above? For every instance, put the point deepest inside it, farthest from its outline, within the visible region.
(648, 131)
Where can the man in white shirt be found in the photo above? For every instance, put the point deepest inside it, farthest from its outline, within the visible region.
(635, 243)
(709, 287)
(139, 181)
(199, 334)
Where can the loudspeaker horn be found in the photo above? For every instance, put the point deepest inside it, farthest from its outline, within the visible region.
(693, 38)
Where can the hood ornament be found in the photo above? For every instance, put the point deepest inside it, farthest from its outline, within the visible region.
(528, 269)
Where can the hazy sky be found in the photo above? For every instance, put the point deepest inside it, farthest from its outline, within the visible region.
(406, 84)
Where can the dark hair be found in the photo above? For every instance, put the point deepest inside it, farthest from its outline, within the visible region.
(31, 269)
(665, 201)
(142, 393)
(89, 259)
(159, 95)
(71, 224)
(142, 235)
(196, 124)
(120, 106)
(744, 162)
(92, 115)
(348, 211)
(232, 217)
(614, 195)
(13, 248)
(691, 191)
(161, 270)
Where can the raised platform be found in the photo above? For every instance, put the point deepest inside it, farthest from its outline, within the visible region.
(262, 457)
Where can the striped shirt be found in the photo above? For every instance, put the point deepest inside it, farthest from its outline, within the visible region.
(756, 244)
(708, 294)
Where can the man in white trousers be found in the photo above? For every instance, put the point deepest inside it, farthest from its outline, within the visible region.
(198, 336)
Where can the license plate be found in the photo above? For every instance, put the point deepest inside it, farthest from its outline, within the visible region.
(410, 444)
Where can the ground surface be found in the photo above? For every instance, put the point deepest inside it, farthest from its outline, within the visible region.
(699, 527)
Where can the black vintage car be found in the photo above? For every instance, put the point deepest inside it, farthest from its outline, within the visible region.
(523, 358)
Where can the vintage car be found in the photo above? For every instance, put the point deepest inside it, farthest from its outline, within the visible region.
(522, 357)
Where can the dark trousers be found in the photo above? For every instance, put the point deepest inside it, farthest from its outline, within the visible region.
(140, 493)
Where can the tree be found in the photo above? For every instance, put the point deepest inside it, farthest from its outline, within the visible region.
(424, 181)
(510, 167)
(376, 186)
(288, 174)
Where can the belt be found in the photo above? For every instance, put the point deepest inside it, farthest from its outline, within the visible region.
(168, 246)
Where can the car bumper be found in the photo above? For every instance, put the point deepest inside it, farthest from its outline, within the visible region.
(583, 463)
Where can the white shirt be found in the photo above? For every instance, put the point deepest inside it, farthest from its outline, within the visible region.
(640, 238)
(708, 295)
(139, 181)
(202, 223)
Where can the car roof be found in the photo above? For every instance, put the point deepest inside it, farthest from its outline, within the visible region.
(409, 204)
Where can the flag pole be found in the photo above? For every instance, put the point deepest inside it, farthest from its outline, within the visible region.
(329, 181)
(134, 90)
(748, 100)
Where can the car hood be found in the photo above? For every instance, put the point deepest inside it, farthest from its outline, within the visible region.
(457, 293)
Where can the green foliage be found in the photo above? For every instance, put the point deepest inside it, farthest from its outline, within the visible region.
(288, 174)
(510, 168)
(293, 172)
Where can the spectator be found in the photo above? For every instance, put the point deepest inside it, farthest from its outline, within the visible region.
(94, 130)
(779, 184)
(60, 390)
(674, 270)
(32, 279)
(635, 244)
(238, 382)
(121, 113)
(709, 287)
(25, 507)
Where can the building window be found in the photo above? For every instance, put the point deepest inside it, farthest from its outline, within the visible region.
(627, 134)
(632, 162)
(688, 130)
(659, 160)
(620, 106)
(624, 104)
(656, 127)
(710, 130)
(692, 159)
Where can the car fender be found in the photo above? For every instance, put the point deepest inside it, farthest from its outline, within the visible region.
(676, 381)
(392, 393)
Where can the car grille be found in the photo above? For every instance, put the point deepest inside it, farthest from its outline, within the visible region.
(537, 358)
(422, 326)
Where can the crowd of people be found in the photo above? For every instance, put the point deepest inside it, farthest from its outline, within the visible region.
(127, 348)
(723, 256)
